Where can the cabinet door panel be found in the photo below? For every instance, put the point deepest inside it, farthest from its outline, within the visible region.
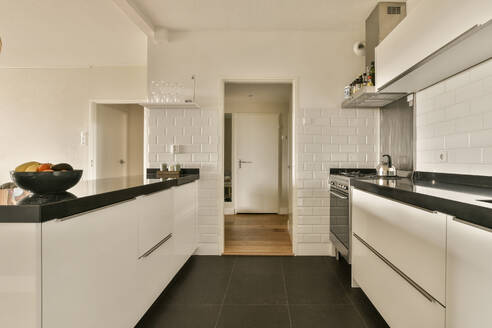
(155, 218)
(89, 269)
(414, 240)
(400, 304)
(155, 271)
(468, 276)
(420, 33)
(185, 220)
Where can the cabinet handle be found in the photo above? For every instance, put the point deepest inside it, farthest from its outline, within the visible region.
(66, 218)
(338, 195)
(471, 224)
(156, 246)
(422, 291)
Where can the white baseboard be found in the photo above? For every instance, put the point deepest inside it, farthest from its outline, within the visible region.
(229, 211)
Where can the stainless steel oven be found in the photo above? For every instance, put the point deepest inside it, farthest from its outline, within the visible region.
(340, 208)
(340, 225)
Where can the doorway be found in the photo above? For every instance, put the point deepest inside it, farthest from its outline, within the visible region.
(257, 168)
(118, 145)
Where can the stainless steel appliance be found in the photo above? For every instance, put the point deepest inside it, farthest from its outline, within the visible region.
(386, 169)
(340, 207)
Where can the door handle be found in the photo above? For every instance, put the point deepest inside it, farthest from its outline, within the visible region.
(243, 162)
(122, 161)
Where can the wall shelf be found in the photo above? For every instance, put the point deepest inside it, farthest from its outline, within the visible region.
(170, 105)
(467, 50)
(367, 97)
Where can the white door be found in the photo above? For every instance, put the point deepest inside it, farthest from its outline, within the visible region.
(111, 142)
(256, 139)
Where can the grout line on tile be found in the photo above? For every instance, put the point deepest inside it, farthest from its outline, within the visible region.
(225, 294)
(286, 294)
(347, 296)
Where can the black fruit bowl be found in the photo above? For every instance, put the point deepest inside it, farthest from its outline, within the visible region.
(46, 182)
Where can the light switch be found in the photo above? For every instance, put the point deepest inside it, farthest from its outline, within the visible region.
(83, 138)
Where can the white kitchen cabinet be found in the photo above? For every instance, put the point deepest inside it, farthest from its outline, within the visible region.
(20, 275)
(89, 269)
(400, 303)
(155, 270)
(428, 27)
(185, 236)
(155, 220)
(102, 268)
(468, 276)
(412, 239)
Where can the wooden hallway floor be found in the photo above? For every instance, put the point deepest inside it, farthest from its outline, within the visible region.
(257, 234)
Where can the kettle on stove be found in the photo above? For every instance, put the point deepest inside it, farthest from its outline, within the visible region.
(386, 169)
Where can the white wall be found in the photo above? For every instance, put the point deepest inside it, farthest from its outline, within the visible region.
(43, 110)
(455, 117)
(322, 62)
(57, 56)
(61, 33)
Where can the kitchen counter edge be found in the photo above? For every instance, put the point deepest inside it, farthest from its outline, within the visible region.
(477, 215)
(65, 208)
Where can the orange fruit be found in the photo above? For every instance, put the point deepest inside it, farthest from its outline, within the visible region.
(44, 167)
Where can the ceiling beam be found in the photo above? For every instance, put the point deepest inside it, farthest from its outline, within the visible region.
(139, 18)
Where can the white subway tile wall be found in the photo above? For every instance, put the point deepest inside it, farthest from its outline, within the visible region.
(454, 124)
(328, 138)
(325, 137)
(195, 131)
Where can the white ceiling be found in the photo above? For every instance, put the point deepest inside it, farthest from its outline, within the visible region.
(192, 15)
(68, 33)
(258, 92)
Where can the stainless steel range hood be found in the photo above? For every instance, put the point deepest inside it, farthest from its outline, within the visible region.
(382, 20)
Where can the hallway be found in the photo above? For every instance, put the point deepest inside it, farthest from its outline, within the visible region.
(257, 234)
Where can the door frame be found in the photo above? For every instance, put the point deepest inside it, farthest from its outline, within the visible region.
(234, 158)
(92, 129)
(294, 81)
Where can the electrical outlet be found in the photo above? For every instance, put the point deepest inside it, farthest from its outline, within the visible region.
(175, 149)
(442, 156)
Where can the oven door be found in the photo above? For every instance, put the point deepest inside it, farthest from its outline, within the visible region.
(340, 220)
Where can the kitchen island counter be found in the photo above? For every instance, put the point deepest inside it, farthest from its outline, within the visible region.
(17, 205)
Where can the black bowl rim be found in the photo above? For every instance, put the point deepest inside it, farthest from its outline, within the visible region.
(44, 172)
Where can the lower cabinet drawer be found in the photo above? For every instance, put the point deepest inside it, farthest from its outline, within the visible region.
(412, 239)
(399, 302)
(155, 271)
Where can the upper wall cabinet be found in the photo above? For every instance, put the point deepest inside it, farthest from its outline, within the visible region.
(430, 30)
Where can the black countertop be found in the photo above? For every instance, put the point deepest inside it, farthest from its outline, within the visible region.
(435, 192)
(17, 205)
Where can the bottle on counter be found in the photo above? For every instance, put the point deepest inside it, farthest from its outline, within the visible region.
(373, 73)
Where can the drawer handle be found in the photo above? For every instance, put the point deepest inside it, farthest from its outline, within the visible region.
(156, 246)
(398, 271)
(338, 195)
(471, 224)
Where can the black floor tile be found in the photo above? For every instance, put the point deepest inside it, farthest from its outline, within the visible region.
(261, 292)
(357, 298)
(309, 287)
(203, 280)
(254, 316)
(257, 280)
(180, 316)
(368, 312)
(325, 316)
(305, 263)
